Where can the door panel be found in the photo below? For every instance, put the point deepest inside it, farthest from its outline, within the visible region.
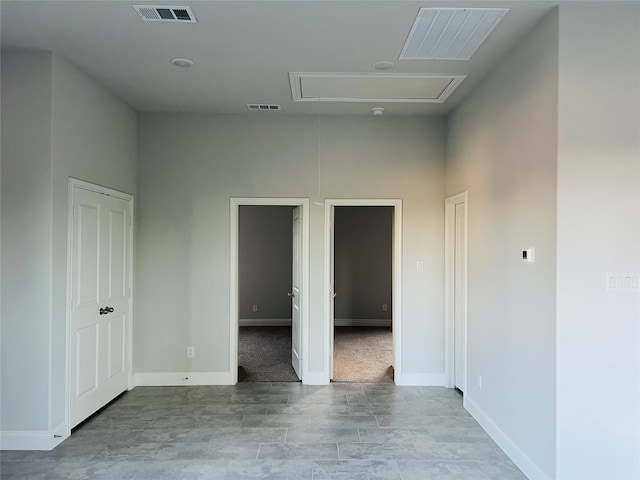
(117, 253)
(116, 347)
(296, 317)
(100, 261)
(87, 339)
(88, 245)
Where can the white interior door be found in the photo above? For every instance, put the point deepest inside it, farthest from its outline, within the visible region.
(296, 297)
(460, 285)
(100, 301)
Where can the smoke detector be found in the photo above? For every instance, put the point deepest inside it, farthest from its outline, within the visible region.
(182, 62)
(383, 65)
(164, 13)
(377, 111)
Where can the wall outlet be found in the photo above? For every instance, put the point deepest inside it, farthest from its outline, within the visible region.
(255, 308)
(191, 352)
(479, 381)
(384, 307)
(419, 266)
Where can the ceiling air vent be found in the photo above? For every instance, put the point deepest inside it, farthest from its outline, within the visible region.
(450, 33)
(265, 107)
(163, 13)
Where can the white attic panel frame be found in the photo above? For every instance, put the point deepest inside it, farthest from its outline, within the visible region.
(372, 87)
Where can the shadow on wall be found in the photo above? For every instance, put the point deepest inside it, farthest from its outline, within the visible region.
(265, 252)
(363, 265)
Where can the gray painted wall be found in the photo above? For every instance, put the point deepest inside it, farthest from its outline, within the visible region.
(502, 149)
(26, 240)
(56, 123)
(265, 253)
(363, 254)
(183, 221)
(598, 339)
(94, 138)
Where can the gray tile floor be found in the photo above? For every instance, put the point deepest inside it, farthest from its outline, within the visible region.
(274, 431)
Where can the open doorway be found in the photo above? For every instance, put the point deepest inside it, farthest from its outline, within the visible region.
(269, 241)
(363, 265)
(265, 276)
(363, 338)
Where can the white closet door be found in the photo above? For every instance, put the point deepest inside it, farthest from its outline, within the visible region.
(100, 299)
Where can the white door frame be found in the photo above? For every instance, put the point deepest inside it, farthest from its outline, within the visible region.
(396, 291)
(449, 288)
(235, 204)
(73, 184)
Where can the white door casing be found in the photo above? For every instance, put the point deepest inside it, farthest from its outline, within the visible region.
(332, 292)
(456, 208)
(459, 286)
(234, 205)
(100, 301)
(295, 294)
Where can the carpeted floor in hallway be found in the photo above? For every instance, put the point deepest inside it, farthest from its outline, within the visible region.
(361, 354)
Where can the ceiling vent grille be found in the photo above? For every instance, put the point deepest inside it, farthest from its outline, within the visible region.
(450, 33)
(264, 107)
(163, 13)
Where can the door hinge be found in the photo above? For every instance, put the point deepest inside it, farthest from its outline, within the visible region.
(73, 210)
(131, 220)
(129, 292)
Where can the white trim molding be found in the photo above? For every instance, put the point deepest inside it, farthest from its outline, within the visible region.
(524, 463)
(175, 379)
(396, 289)
(420, 379)
(234, 321)
(34, 440)
(264, 322)
(449, 288)
(363, 322)
(315, 378)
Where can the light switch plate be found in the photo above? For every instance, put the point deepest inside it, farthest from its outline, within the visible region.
(622, 282)
(529, 255)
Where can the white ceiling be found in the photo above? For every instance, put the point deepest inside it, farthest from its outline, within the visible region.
(244, 50)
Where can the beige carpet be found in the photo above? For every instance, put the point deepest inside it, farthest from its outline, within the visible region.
(363, 354)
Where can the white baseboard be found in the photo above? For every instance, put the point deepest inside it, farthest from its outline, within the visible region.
(264, 322)
(524, 463)
(420, 379)
(315, 378)
(362, 322)
(34, 440)
(172, 379)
